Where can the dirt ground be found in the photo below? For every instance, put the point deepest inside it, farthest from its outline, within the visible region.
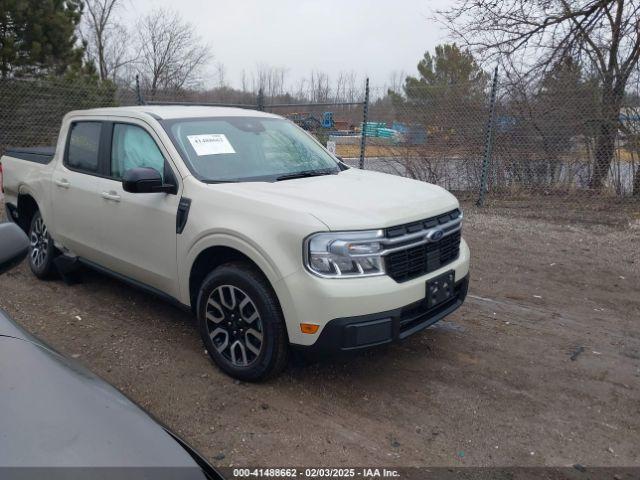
(493, 385)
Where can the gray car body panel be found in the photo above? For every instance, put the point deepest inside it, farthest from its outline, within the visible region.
(55, 413)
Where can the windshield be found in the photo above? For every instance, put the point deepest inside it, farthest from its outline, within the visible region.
(248, 149)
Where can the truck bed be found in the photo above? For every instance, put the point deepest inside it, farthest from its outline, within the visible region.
(42, 155)
(27, 171)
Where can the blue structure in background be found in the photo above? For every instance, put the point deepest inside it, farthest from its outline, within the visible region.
(327, 120)
(413, 134)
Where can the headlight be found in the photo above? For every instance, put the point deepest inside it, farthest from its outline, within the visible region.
(345, 254)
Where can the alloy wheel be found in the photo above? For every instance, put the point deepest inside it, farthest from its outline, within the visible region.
(234, 325)
(39, 245)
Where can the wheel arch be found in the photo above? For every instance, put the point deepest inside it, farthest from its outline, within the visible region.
(213, 256)
(271, 357)
(27, 206)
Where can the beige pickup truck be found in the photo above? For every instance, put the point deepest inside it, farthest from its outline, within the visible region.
(244, 218)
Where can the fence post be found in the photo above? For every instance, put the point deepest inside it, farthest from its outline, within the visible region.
(488, 142)
(260, 100)
(139, 96)
(365, 115)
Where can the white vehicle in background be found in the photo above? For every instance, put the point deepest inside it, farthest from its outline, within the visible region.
(244, 218)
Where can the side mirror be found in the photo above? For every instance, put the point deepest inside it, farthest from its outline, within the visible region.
(14, 246)
(145, 180)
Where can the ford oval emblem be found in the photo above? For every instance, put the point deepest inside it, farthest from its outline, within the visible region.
(435, 235)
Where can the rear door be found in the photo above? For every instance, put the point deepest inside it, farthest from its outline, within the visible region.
(75, 198)
(138, 230)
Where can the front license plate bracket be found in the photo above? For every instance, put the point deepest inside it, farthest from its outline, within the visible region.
(440, 289)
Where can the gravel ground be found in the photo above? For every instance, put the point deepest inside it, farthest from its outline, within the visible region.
(493, 385)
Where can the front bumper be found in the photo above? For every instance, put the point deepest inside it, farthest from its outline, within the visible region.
(366, 331)
(310, 299)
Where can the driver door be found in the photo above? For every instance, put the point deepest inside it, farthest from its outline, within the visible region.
(139, 229)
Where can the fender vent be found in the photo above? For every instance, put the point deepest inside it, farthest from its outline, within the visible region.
(183, 214)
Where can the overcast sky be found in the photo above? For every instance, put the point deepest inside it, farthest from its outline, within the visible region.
(371, 37)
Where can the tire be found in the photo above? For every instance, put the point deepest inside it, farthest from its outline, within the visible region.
(41, 249)
(241, 323)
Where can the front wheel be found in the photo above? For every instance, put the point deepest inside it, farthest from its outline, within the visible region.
(241, 323)
(41, 249)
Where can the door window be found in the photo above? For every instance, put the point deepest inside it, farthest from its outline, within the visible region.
(84, 145)
(133, 147)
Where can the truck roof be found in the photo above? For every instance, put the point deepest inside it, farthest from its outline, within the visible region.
(164, 112)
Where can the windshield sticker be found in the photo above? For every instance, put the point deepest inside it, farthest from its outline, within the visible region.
(210, 144)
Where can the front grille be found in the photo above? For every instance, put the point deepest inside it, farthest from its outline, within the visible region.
(419, 260)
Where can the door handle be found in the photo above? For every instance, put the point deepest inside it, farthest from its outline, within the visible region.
(113, 196)
(63, 183)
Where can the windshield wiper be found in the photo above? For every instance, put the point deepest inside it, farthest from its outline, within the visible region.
(306, 173)
(231, 180)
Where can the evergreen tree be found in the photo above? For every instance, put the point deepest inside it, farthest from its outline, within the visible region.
(566, 106)
(450, 70)
(449, 96)
(37, 37)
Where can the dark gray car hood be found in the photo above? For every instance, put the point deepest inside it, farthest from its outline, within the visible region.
(9, 328)
(55, 413)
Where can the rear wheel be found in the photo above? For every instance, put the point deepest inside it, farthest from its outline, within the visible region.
(41, 249)
(241, 323)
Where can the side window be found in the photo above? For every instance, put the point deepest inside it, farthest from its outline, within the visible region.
(131, 147)
(83, 148)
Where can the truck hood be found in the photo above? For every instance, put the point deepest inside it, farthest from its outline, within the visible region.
(354, 199)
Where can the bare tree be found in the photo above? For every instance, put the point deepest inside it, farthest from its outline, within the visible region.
(536, 34)
(301, 90)
(319, 86)
(396, 80)
(271, 80)
(340, 87)
(260, 78)
(354, 88)
(172, 55)
(104, 36)
(243, 83)
(221, 74)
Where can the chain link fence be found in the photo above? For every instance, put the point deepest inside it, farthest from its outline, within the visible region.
(511, 145)
(541, 144)
(31, 111)
(437, 138)
(334, 123)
